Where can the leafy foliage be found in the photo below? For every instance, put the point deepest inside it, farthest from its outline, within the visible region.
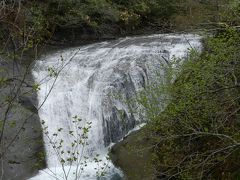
(73, 154)
(37, 21)
(197, 135)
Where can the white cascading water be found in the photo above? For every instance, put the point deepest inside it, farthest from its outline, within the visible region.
(90, 78)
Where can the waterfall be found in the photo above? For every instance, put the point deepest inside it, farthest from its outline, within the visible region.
(84, 84)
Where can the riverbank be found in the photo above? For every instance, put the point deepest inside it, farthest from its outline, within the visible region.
(133, 155)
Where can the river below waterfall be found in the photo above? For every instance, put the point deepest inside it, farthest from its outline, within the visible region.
(79, 90)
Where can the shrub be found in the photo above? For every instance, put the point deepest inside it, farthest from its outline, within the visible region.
(197, 136)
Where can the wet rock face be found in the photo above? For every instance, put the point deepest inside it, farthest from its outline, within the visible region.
(118, 119)
(140, 62)
(22, 145)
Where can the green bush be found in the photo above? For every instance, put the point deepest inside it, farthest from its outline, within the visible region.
(198, 134)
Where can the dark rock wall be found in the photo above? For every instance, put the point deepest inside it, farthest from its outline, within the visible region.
(22, 145)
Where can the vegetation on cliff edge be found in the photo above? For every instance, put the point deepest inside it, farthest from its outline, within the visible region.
(197, 135)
